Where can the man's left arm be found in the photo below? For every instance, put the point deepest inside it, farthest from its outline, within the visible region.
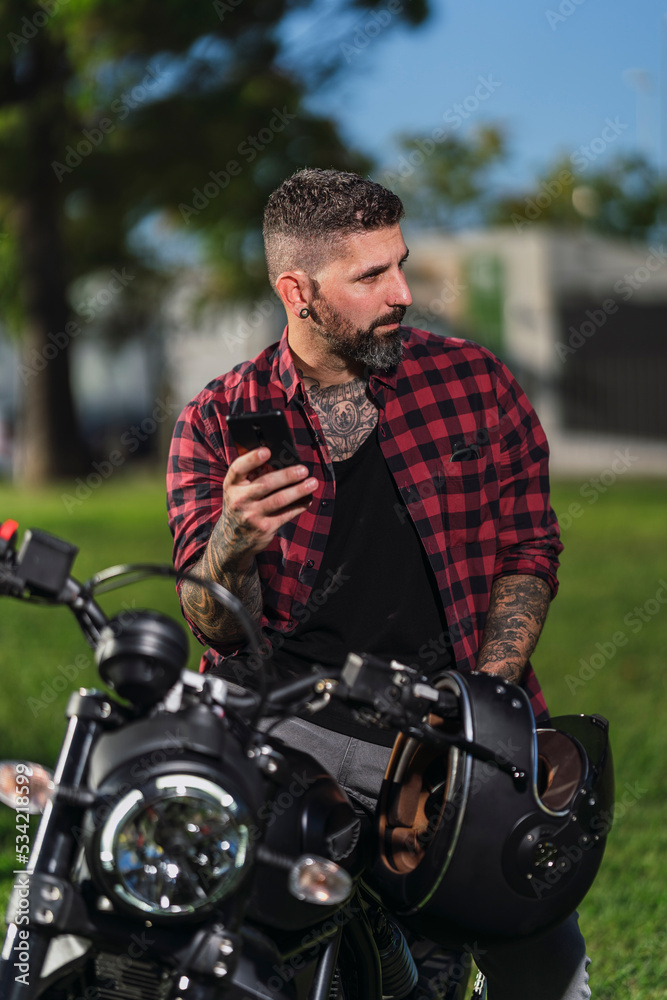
(528, 540)
(517, 610)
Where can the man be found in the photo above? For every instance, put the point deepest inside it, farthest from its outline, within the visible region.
(418, 527)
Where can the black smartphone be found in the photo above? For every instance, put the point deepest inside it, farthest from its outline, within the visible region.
(268, 429)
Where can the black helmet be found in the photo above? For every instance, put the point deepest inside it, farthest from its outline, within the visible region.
(498, 847)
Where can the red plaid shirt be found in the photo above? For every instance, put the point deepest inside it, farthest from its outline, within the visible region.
(478, 519)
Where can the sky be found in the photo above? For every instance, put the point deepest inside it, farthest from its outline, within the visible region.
(568, 77)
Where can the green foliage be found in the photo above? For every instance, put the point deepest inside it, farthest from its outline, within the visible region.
(124, 520)
(449, 180)
(138, 110)
(626, 199)
(9, 278)
(444, 181)
(142, 134)
(604, 649)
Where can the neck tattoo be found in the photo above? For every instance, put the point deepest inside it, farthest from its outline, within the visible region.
(346, 412)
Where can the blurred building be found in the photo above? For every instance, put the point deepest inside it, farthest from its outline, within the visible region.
(129, 393)
(581, 320)
(201, 343)
(114, 386)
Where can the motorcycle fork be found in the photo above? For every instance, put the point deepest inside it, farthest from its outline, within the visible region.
(47, 878)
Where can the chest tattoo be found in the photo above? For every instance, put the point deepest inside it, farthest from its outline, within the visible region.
(346, 413)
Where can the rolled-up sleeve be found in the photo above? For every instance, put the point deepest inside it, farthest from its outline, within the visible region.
(528, 535)
(195, 473)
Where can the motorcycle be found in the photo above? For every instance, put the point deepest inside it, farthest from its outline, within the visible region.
(186, 852)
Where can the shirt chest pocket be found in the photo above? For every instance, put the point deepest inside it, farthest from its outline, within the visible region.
(468, 494)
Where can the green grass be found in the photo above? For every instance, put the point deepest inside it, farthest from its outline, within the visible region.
(615, 557)
(124, 521)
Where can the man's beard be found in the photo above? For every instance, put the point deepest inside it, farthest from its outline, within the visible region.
(359, 344)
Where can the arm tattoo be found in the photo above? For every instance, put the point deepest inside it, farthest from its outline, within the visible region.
(221, 563)
(347, 414)
(516, 614)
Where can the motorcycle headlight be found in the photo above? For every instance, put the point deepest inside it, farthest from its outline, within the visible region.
(174, 848)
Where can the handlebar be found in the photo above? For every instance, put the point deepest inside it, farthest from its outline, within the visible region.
(40, 571)
(390, 695)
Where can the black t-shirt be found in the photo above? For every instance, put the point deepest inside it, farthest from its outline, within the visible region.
(375, 591)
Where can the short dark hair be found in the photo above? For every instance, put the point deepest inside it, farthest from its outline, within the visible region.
(307, 218)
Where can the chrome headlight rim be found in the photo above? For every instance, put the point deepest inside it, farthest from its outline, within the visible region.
(163, 789)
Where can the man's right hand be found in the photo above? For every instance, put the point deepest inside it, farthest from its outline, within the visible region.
(256, 504)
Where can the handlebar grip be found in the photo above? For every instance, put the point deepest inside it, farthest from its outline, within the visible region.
(8, 530)
(8, 533)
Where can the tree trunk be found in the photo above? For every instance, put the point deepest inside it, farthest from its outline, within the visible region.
(50, 444)
(49, 438)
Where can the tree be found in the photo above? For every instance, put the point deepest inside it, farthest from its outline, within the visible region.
(449, 181)
(445, 179)
(114, 113)
(625, 198)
